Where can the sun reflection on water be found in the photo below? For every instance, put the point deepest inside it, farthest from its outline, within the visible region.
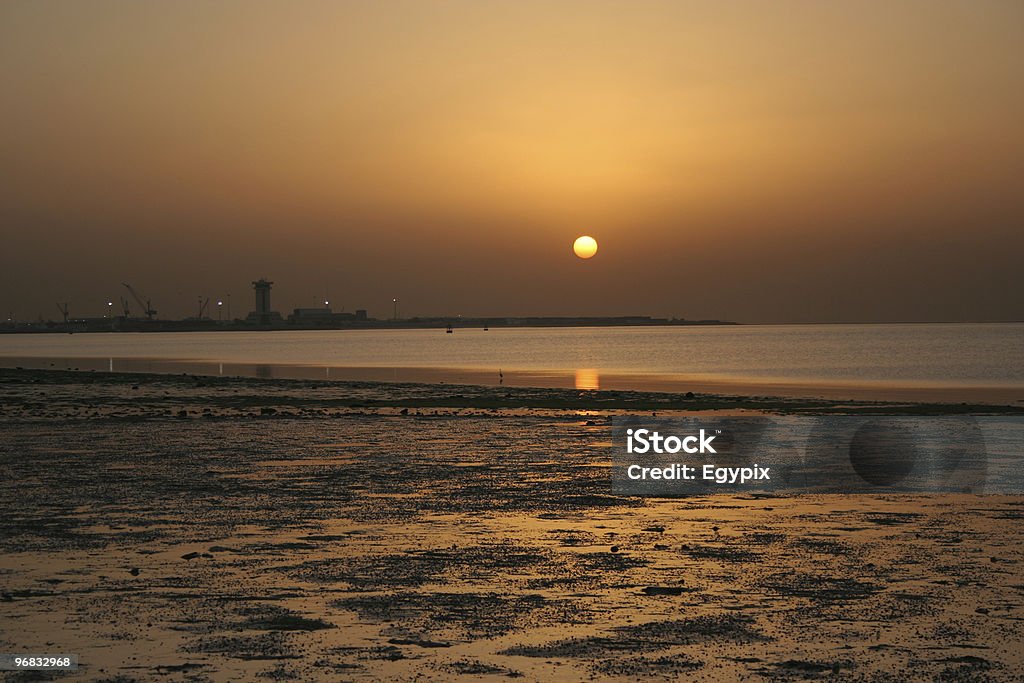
(588, 379)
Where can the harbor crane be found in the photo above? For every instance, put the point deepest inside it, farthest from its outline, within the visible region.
(147, 307)
(203, 306)
(124, 308)
(63, 308)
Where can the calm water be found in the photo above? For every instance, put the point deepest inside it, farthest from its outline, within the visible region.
(976, 355)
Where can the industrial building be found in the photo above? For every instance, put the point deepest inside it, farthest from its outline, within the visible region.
(263, 315)
(324, 317)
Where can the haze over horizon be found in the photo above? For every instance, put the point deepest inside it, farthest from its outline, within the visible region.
(783, 162)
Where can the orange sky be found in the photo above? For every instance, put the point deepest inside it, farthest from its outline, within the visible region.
(790, 161)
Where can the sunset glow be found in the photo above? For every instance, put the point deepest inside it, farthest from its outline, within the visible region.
(232, 138)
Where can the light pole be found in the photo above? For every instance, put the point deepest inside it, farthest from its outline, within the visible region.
(110, 309)
(220, 311)
(395, 302)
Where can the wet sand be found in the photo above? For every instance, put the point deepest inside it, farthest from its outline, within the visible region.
(580, 379)
(190, 528)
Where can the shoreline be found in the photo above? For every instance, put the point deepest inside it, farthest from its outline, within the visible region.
(104, 325)
(579, 380)
(36, 394)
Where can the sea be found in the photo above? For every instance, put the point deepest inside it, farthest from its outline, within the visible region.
(882, 360)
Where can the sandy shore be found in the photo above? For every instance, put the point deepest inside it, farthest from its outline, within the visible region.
(182, 528)
(580, 379)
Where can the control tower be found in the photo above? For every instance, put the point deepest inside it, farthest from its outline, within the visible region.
(263, 315)
(262, 288)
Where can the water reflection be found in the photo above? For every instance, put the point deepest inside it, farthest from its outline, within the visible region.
(588, 379)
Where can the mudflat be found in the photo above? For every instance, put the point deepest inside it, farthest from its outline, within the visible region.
(192, 528)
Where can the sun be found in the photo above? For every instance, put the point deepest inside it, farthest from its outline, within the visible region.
(585, 246)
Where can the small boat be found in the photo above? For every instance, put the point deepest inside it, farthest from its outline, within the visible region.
(449, 330)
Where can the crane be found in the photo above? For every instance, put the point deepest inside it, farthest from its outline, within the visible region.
(124, 307)
(63, 308)
(147, 307)
(203, 305)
